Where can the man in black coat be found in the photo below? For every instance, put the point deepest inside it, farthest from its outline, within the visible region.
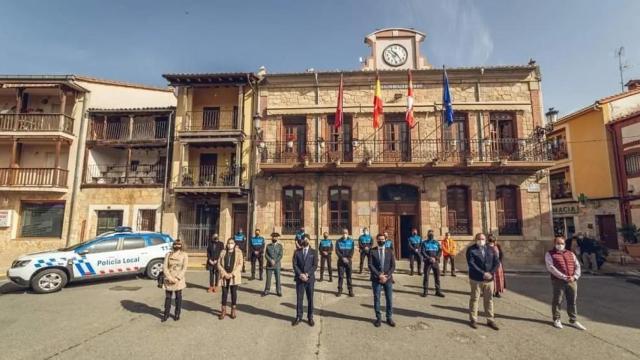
(305, 263)
(382, 265)
(483, 263)
(214, 248)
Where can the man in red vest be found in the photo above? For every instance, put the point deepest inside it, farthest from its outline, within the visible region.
(564, 268)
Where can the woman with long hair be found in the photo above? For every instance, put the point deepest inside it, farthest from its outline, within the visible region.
(174, 269)
(499, 281)
(230, 267)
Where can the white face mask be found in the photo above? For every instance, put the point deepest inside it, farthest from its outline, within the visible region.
(230, 246)
(366, 232)
(559, 247)
(481, 242)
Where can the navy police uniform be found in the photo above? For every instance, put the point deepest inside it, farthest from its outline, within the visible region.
(364, 244)
(415, 252)
(326, 248)
(257, 253)
(344, 252)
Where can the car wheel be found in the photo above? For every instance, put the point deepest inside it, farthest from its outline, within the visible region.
(154, 268)
(48, 281)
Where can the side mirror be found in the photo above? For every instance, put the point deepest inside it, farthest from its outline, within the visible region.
(83, 252)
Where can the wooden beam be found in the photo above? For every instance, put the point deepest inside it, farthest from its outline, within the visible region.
(126, 169)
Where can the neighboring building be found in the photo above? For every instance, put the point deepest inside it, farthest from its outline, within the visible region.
(483, 173)
(211, 153)
(43, 128)
(585, 190)
(626, 142)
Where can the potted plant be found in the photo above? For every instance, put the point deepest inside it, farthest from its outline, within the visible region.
(630, 235)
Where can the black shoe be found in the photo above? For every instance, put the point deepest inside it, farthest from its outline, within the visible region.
(176, 317)
(497, 295)
(439, 294)
(444, 274)
(377, 323)
(312, 323)
(473, 324)
(453, 274)
(419, 273)
(264, 293)
(260, 277)
(351, 294)
(164, 318)
(424, 294)
(320, 280)
(391, 322)
(296, 321)
(411, 273)
(339, 293)
(330, 280)
(493, 325)
(253, 277)
(280, 294)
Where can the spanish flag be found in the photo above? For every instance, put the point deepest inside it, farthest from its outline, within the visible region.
(377, 104)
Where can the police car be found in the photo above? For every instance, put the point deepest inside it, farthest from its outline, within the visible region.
(116, 253)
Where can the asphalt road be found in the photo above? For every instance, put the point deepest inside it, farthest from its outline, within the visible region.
(120, 319)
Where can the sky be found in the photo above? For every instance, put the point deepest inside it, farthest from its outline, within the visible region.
(573, 41)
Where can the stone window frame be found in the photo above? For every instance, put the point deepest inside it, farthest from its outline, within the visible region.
(453, 228)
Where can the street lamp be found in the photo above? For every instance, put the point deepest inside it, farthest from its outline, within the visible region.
(257, 118)
(552, 115)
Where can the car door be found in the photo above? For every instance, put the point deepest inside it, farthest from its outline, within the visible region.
(99, 258)
(134, 254)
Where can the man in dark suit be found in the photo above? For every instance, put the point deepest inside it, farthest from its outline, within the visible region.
(382, 264)
(305, 263)
(483, 262)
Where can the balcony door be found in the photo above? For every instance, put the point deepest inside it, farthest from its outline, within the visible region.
(456, 137)
(210, 118)
(294, 135)
(396, 139)
(207, 170)
(161, 127)
(339, 141)
(503, 134)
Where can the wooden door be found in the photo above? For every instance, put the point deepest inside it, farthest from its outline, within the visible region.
(508, 210)
(240, 218)
(389, 223)
(208, 164)
(608, 231)
(396, 140)
(340, 141)
(456, 138)
(503, 134)
(294, 136)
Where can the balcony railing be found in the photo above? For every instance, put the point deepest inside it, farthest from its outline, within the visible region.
(36, 122)
(27, 177)
(117, 174)
(207, 176)
(119, 131)
(210, 120)
(391, 151)
(558, 150)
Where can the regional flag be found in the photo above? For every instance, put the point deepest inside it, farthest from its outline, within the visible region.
(377, 104)
(339, 113)
(447, 107)
(409, 115)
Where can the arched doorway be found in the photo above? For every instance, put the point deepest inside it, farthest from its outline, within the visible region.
(398, 212)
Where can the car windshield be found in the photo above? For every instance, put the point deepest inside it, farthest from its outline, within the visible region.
(73, 247)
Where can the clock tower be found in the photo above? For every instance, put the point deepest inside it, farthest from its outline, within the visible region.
(395, 49)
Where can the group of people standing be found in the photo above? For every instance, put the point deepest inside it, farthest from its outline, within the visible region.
(484, 256)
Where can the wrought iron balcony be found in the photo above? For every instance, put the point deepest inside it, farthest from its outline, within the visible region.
(36, 122)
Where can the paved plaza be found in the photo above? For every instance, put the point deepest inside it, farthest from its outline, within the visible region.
(120, 319)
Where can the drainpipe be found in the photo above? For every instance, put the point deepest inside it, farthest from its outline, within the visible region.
(166, 168)
(252, 202)
(316, 208)
(79, 156)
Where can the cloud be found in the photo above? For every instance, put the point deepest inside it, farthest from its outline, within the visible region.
(462, 33)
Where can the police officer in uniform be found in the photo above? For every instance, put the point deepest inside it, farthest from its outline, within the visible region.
(364, 244)
(257, 253)
(431, 252)
(241, 242)
(388, 244)
(414, 250)
(344, 252)
(326, 248)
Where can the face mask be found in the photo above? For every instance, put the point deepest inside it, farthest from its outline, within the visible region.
(305, 243)
(430, 236)
(366, 232)
(274, 240)
(176, 248)
(380, 242)
(230, 246)
(481, 242)
(559, 247)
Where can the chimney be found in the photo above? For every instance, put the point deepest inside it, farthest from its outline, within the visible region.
(633, 84)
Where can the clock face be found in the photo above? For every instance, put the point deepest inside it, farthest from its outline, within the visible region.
(395, 55)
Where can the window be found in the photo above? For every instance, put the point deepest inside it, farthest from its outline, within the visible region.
(560, 186)
(147, 220)
(339, 142)
(294, 135)
(108, 220)
(42, 220)
(210, 118)
(293, 209)
(156, 240)
(339, 209)
(503, 134)
(396, 138)
(508, 210)
(632, 164)
(235, 117)
(458, 210)
(130, 243)
(103, 246)
(456, 136)
(558, 146)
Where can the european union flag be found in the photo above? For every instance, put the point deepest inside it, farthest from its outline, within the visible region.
(447, 108)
